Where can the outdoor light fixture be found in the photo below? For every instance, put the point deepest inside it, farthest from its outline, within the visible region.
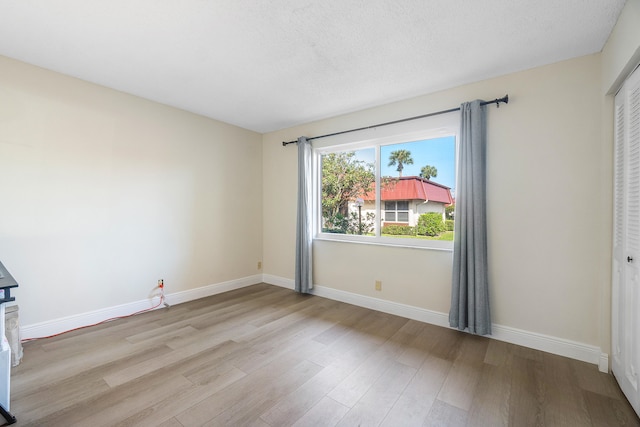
(359, 202)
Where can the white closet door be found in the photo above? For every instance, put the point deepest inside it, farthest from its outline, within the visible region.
(626, 242)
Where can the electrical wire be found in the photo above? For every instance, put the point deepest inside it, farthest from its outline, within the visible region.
(162, 301)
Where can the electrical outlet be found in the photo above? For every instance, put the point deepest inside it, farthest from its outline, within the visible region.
(378, 285)
(259, 265)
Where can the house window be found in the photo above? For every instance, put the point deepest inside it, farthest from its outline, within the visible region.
(396, 211)
(396, 189)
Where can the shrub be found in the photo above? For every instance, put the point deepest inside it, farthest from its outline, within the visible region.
(398, 230)
(448, 224)
(340, 224)
(364, 225)
(430, 224)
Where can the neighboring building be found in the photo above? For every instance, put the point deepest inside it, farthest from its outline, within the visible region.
(404, 199)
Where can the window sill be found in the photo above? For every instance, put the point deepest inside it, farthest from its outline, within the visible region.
(434, 245)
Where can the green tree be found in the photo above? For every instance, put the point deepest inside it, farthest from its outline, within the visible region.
(428, 172)
(344, 179)
(401, 158)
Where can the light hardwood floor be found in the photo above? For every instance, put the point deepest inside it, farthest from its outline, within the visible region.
(266, 356)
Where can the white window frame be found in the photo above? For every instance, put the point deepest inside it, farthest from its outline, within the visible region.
(396, 211)
(431, 128)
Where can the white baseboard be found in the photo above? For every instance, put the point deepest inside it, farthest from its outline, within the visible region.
(63, 324)
(603, 363)
(278, 281)
(207, 291)
(550, 344)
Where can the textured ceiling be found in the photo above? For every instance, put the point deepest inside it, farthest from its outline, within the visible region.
(270, 64)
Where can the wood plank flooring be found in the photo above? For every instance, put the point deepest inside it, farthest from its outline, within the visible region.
(266, 356)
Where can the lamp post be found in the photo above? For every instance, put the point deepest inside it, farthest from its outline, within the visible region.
(359, 203)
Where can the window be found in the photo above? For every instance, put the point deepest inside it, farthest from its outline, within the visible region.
(396, 211)
(395, 189)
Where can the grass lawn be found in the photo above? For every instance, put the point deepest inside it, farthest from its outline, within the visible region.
(447, 235)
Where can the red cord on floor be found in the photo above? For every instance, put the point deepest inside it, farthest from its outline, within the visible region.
(162, 301)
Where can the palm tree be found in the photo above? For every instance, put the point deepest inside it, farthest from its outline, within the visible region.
(428, 172)
(401, 157)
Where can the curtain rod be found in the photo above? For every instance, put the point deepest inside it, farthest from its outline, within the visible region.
(496, 101)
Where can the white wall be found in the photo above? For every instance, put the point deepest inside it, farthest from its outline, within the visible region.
(103, 193)
(421, 208)
(621, 53)
(544, 151)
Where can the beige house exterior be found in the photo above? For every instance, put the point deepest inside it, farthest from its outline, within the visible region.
(404, 199)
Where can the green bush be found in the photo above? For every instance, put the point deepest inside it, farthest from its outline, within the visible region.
(448, 224)
(430, 224)
(352, 224)
(338, 224)
(398, 230)
(332, 230)
(364, 225)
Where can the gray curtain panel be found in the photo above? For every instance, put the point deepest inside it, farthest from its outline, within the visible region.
(303, 279)
(470, 290)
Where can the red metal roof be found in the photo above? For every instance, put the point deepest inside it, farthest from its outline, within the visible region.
(413, 188)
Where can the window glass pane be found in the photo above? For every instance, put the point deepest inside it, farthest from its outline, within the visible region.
(348, 193)
(417, 191)
(422, 175)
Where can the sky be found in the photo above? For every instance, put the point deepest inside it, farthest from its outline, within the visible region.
(438, 152)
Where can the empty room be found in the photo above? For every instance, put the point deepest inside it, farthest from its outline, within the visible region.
(320, 213)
